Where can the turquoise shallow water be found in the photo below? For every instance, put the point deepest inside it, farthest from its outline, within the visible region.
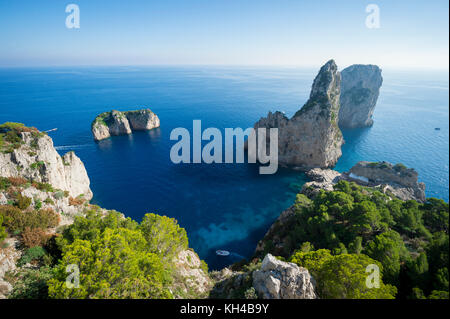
(221, 206)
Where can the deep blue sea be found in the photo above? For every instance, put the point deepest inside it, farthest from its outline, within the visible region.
(221, 206)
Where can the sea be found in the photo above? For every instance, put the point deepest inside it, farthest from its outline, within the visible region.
(221, 206)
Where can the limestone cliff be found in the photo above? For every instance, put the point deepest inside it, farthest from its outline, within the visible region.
(311, 138)
(119, 123)
(282, 280)
(360, 88)
(36, 159)
(396, 180)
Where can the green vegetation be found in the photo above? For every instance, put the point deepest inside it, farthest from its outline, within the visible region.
(101, 119)
(37, 165)
(32, 254)
(408, 239)
(3, 233)
(118, 258)
(16, 220)
(10, 136)
(342, 276)
(31, 283)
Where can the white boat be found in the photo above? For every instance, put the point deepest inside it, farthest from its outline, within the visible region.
(222, 253)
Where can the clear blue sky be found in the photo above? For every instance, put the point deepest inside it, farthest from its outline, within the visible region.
(224, 32)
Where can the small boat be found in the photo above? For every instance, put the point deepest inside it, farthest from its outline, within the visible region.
(53, 129)
(222, 253)
(437, 128)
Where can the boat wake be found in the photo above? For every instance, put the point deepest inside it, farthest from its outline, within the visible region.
(70, 147)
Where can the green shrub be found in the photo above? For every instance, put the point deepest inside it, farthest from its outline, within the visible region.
(37, 165)
(23, 202)
(58, 195)
(3, 233)
(49, 201)
(343, 276)
(32, 254)
(16, 220)
(37, 204)
(45, 187)
(118, 257)
(31, 283)
(4, 183)
(250, 293)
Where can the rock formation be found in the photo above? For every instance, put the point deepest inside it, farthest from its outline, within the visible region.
(281, 280)
(119, 123)
(37, 160)
(195, 280)
(33, 160)
(397, 180)
(360, 87)
(311, 138)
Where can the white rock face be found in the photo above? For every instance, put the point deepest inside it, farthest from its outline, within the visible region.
(142, 120)
(360, 88)
(8, 259)
(398, 180)
(188, 267)
(120, 123)
(311, 138)
(37, 160)
(281, 280)
(401, 181)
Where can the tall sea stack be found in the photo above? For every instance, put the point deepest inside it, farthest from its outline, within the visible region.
(360, 87)
(311, 138)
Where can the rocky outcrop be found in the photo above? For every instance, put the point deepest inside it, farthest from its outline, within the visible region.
(8, 258)
(37, 160)
(120, 123)
(398, 179)
(311, 138)
(193, 280)
(282, 280)
(320, 179)
(360, 87)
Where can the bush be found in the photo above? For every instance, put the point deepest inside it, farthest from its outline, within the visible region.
(5, 183)
(16, 220)
(76, 201)
(58, 195)
(37, 204)
(34, 237)
(17, 181)
(118, 258)
(33, 254)
(23, 202)
(31, 284)
(164, 236)
(3, 233)
(343, 276)
(250, 293)
(45, 187)
(49, 201)
(37, 165)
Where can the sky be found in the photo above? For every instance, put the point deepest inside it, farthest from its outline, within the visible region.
(412, 34)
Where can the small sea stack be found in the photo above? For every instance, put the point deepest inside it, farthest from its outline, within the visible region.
(121, 123)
